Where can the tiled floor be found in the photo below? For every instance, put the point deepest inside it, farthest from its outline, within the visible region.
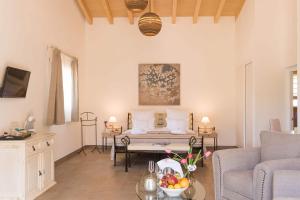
(94, 177)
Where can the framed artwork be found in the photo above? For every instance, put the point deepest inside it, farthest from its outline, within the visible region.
(159, 84)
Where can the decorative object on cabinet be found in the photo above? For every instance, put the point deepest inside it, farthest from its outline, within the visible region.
(29, 123)
(89, 119)
(28, 165)
(159, 84)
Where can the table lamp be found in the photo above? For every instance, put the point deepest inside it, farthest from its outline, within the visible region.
(205, 120)
(112, 120)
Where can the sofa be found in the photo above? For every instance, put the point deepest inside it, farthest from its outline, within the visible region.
(243, 174)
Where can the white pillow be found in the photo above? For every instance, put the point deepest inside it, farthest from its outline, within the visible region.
(177, 114)
(143, 124)
(143, 120)
(177, 125)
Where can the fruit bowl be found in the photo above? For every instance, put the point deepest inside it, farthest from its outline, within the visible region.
(173, 192)
(173, 185)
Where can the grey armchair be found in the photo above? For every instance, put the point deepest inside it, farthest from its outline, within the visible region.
(243, 174)
(286, 185)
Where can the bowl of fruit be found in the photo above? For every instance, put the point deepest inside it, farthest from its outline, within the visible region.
(173, 185)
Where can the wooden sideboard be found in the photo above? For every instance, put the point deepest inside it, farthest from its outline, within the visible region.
(27, 167)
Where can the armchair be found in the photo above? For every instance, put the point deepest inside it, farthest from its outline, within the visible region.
(243, 174)
(286, 185)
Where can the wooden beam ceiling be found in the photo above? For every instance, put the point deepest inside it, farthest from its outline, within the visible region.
(130, 17)
(107, 10)
(164, 8)
(174, 11)
(84, 10)
(219, 11)
(197, 10)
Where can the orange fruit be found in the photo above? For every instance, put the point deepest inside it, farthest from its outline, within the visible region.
(177, 186)
(184, 182)
(171, 187)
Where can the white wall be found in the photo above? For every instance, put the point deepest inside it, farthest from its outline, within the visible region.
(204, 50)
(273, 36)
(27, 27)
(244, 55)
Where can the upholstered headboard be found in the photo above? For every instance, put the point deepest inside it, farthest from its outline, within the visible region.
(160, 120)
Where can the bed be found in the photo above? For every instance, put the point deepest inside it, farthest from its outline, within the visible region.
(155, 140)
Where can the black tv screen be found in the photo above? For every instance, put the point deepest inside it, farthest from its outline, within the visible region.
(15, 83)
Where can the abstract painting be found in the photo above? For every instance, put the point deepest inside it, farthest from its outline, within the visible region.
(159, 84)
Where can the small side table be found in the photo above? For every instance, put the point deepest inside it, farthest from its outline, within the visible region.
(108, 133)
(213, 135)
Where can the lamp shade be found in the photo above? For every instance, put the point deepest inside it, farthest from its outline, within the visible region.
(150, 24)
(112, 119)
(205, 120)
(136, 5)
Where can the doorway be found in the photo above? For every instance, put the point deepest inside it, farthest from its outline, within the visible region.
(249, 106)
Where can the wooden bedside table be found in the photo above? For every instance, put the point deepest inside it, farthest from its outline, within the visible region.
(109, 133)
(212, 134)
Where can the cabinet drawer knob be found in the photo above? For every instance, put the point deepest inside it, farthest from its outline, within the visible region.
(33, 148)
(48, 144)
(40, 173)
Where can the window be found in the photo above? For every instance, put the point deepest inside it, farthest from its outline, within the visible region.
(67, 86)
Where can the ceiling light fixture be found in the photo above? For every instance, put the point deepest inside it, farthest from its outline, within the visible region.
(150, 23)
(136, 6)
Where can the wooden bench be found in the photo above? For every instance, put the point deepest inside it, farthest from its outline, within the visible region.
(159, 148)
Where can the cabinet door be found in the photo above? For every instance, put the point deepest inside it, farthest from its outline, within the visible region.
(48, 167)
(33, 176)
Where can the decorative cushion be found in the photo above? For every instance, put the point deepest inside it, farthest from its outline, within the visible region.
(240, 182)
(142, 120)
(276, 146)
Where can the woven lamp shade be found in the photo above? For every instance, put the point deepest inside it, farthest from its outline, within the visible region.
(150, 24)
(136, 5)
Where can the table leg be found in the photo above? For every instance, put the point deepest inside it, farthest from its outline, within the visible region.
(214, 143)
(202, 151)
(103, 143)
(126, 160)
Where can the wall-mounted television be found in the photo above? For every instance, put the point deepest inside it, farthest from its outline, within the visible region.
(15, 83)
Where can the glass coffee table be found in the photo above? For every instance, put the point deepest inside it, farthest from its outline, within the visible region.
(195, 192)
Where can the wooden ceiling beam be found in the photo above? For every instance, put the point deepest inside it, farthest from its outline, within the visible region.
(239, 10)
(219, 11)
(85, 12)
(108, 12)
(174, 11)
(130, 17)
(196, 11)
(151, 5)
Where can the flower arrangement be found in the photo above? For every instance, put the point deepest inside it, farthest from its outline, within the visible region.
(189, 162)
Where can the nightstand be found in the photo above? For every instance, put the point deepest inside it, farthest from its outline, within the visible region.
(212, 134)
(109, 133)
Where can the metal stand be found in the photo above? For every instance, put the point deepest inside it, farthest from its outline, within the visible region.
(89, 119)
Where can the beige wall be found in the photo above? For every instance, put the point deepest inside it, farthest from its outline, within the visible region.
(27, 27)
(273, 50)
(204, 50)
